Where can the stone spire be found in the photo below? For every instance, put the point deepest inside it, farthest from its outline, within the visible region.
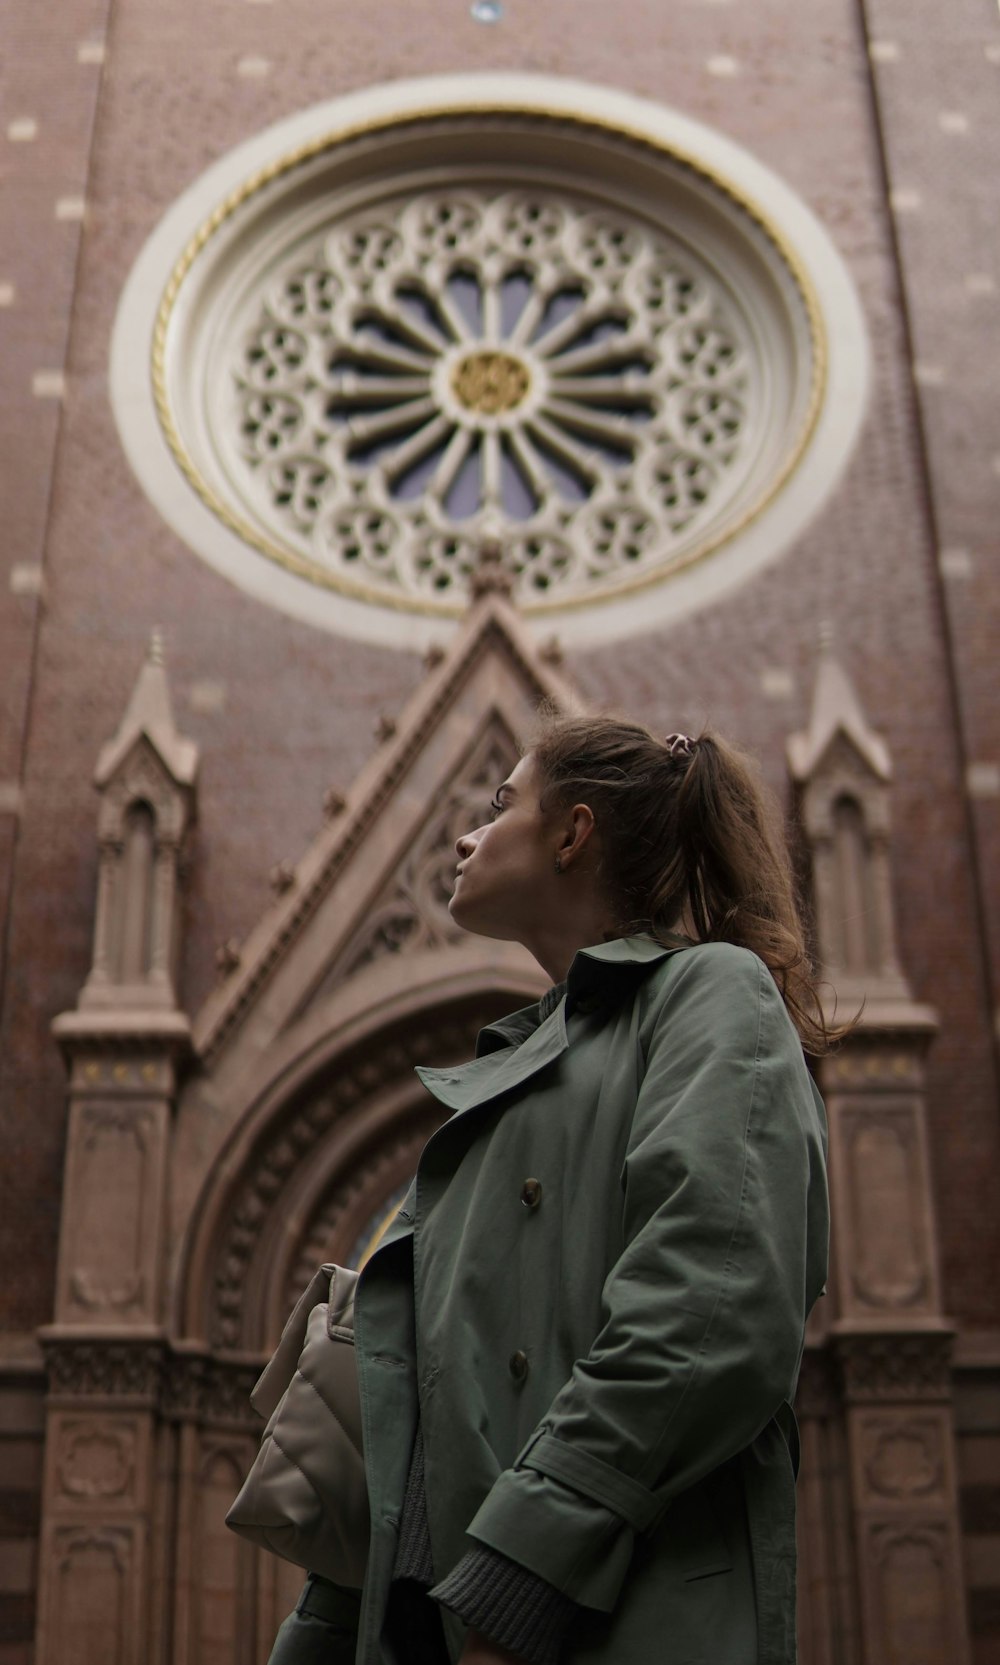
(836, 709)
(149, 713)
(843, 771)
(146, 779)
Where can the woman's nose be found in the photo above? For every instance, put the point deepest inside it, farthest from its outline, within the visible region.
(465, 845)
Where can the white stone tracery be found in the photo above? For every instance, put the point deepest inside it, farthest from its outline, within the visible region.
(632, 199)
(444, 366)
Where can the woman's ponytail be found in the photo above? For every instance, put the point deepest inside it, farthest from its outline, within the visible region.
(691, 840)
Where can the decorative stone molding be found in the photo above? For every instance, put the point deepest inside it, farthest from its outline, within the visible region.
(131, 1065)
(199, 1387)
(178, 1382)
(91, 1366)
(877, 1062)
(895, 1365)
(74, 1542)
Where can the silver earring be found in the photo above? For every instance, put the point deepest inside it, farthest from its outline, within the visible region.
(558, 865)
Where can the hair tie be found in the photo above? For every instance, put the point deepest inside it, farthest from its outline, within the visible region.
(679, 745)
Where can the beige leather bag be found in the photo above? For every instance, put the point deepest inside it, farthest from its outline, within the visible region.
(305, 1496)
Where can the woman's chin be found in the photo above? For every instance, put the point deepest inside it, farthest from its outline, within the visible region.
(476, 921)
(458, 911)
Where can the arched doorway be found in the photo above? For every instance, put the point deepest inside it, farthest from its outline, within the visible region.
(307, 1175)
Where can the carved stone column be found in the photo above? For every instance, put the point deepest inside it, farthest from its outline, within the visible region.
(893, 1346)
(97, 1495)
(885, 1323)
(105, 1347)
(901, 1443)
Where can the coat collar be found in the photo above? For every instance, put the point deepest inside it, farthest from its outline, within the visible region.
(608, 962)
(518, 1046)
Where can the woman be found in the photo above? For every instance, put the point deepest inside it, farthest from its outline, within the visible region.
(578, 1343)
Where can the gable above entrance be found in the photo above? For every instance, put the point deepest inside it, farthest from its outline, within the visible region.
(376, 881)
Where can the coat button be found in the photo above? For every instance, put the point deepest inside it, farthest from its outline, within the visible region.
(531, 1193)
(518, 1365)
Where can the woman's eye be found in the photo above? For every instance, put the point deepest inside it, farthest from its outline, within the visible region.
(496, 808)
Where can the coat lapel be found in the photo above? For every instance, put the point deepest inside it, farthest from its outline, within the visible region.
(465, 1086)
(506, 1059)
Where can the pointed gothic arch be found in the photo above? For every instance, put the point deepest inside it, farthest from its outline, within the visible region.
(329, 1132)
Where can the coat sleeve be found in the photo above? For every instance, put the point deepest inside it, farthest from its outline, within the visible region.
(725, 1227)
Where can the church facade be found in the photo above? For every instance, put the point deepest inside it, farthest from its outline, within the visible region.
(373, 378)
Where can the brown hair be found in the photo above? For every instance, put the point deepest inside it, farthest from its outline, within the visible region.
(687, 832)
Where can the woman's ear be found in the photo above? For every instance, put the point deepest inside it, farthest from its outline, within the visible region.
(577, 830)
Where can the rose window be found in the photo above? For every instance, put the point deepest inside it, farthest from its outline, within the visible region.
(491, 364)
(407, 336)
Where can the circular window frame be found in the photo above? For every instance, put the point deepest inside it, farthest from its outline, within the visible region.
(153, 302)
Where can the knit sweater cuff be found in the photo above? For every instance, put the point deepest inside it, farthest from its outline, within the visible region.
(510, 1604)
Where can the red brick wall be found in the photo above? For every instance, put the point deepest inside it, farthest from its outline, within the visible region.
(291, 710)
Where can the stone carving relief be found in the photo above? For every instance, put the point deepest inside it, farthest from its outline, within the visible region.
(869, 1063)
(142, 779)
(217, 1615)
(90, 1609)
(91, 1368)
(199, 1388)
(413, 913)
(182, 1384)
(889, 1267)
(96, 1459)
(220, 1463)
(903, 1457)
(894, 1366)
(913, 1565)
(106, 1273)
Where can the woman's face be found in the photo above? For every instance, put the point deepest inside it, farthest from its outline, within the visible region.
(506, 868)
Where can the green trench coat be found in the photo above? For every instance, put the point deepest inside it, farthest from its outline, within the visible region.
(603, 1359)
